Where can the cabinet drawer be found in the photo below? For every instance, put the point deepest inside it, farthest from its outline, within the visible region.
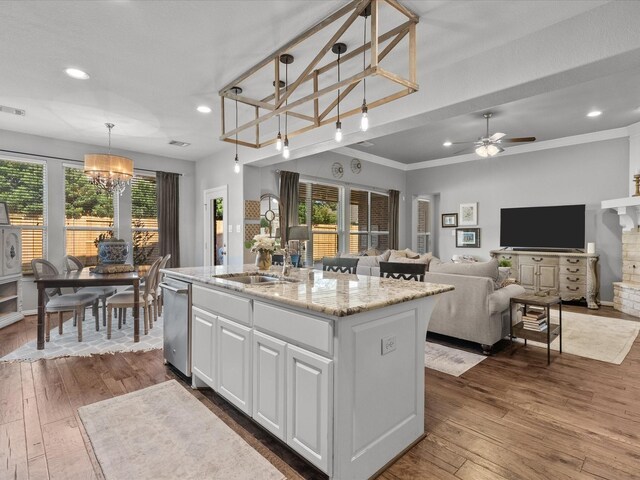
(572, 279)
(537, 260)
(296, 327)
(573, 261)
(573, 291)
(230, 306)
(572, 270)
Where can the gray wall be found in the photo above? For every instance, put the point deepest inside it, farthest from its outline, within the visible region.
(586, 173)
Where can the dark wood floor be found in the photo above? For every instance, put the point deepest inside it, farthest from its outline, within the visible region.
(509, 417)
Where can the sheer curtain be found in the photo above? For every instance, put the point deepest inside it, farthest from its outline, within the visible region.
(288, 202)
(168, 187)
(394, 218)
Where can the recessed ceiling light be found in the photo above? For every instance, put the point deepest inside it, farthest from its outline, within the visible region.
(594, 113)
(77, 74)
(204, 109)
(447, 144)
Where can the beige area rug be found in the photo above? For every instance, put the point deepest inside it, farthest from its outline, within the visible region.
(93, 343)
(600, 338)
(449, 360)
(163, 432)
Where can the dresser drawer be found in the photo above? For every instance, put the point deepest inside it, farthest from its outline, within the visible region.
(573, 262)
(230, 306)
(294, 327)
(537, 260)
(572, 270)
(572, 279)
(572, 291)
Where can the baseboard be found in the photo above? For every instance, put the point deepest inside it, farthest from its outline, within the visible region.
(30, 312)
(606, 303)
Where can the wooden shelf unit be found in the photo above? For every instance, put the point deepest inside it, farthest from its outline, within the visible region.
(10, 276)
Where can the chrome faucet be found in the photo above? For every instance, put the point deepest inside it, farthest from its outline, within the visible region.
(286, 264)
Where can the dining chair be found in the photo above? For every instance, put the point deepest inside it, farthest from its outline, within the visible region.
(73, 264)
(277, 259)
(157, 296)
(158, 291)
(126, 299)
(58, 302)
(403, 271)
(340, 265)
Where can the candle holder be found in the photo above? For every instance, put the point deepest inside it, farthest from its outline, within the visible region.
(636, 179)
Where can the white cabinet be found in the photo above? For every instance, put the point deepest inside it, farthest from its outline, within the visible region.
(202, 345)
(269, 383)
(309, 400)
(10, 276)
(233, 358)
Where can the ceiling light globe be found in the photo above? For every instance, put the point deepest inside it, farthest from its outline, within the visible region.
(492, 150)
(236, 167)
(338, 135)
(279, 142)
(285, 149)
(482, 151)
(77, 74)
(364, 122)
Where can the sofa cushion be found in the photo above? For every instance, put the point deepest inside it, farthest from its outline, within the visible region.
(424, 258)
(367, 261)
(478, 269)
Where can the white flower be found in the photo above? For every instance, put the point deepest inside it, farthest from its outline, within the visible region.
(263, 243)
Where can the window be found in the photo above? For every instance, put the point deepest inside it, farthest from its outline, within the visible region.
(144, 220)
(22, 187)
(423, 226)
(88, 216)
(369, 226)
(319, 207)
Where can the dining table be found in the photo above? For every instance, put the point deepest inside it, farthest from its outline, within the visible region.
(86, 278)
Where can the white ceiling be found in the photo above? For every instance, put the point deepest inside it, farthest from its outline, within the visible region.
(152, 63)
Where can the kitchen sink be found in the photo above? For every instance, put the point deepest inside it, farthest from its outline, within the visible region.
(256, 279)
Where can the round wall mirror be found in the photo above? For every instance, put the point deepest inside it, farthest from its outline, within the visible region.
(269, 214)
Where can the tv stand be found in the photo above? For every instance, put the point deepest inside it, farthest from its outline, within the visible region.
(572, 275)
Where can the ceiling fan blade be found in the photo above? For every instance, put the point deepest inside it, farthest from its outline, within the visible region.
(462, 143)
(496, 136)
(518, 140)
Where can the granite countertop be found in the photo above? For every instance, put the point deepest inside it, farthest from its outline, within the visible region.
(336, 294)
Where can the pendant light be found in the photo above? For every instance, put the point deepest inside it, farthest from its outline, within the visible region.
(111, 173)
(364, 119)
(279, 137)
(236, 91)
(338, 49)
(287, 59)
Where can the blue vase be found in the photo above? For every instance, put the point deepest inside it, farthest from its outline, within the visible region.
(112, 253)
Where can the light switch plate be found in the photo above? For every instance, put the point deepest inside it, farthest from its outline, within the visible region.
(238, 228)
(388, 344)
(231, 228)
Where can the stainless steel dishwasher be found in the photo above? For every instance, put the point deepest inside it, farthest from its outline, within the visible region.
(176, 296)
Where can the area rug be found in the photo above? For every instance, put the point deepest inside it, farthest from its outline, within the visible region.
(449, 360)
(163, 432)
(93, 343)
(600, 338)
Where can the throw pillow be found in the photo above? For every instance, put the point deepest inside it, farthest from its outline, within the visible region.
(479, 269)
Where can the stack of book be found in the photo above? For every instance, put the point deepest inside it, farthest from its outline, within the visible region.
(535, 319)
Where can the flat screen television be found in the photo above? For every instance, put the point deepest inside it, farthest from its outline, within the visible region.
(553, 228)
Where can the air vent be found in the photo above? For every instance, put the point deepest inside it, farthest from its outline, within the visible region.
(178, 143)
(13, 111)
(364, 143)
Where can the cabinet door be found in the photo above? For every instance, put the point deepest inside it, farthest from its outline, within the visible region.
(268, 383)
(11, 252)
(203, 345)
(233, 358)
(528, 276)
(548, 277)
(309, 397)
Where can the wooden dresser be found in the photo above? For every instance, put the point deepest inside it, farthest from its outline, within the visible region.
(572, 275)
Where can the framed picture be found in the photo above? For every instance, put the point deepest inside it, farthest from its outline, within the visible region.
(468, 237)
(449, 220)
(4, 214)
(468, 214)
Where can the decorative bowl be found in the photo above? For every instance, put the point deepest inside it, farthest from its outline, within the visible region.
(111, 252)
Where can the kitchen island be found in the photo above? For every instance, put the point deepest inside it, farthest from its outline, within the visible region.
(331, 364)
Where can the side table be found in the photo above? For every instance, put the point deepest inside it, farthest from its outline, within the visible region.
(553, 330)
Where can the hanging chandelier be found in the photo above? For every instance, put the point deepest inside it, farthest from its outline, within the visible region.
(301, 99)
(108, 172)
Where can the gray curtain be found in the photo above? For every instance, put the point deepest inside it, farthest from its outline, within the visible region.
(394, 218)
(168, 187)
(288, 202)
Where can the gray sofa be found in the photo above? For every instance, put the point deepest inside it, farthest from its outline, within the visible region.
(477, 310)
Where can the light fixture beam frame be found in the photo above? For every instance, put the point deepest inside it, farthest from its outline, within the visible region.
(279, 102)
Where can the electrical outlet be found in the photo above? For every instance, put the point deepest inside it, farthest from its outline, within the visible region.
(388, 344)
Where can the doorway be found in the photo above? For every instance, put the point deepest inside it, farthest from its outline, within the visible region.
(215, 233)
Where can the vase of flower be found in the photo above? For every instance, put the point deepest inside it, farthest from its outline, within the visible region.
(263, 259)
(263, 246)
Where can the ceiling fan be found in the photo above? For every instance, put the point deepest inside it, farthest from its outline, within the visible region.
(490, 145)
